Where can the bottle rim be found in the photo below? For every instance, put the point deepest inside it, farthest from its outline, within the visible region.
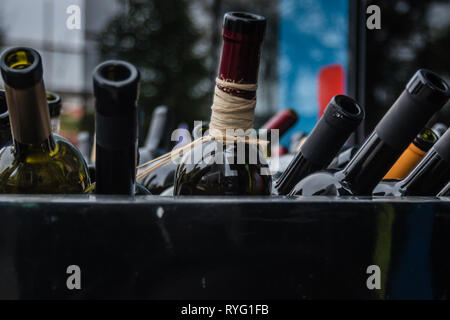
(25, 77)
(128, 74)
(348, 107)
(246, 23)
(54, 103)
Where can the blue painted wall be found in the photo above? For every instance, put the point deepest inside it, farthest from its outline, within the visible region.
(313, 34)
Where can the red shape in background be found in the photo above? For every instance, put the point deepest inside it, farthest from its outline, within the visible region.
(331, 83)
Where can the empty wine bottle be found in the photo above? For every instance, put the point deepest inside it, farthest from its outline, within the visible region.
(37, 161)
(5, 128)
(445, 192)
(282, 121)
(412, 155)
(116, 90)
(158, 140)
(428, 177)
(343, 158)
(160, 179)
(425, 94)
(54, 106)
(341, 117)
(226, 168)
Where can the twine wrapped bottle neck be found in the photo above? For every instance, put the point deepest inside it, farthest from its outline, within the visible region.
(229, 111)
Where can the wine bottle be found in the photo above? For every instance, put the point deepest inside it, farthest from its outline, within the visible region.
(200, 130)
(296, 141)
(116, 91)
(425, 94)
(84, 144)
(160, 179)
(412, 155)
(54, 106)
(428, 177)
(5, 128)
(439, 129)
(341, 117)
(281, 121)
(158, 140)
(227, 168)
(445, 192)
(343, 158)
(37, 161)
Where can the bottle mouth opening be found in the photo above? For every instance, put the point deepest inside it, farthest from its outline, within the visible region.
(349, 106)
(115, 72)
(428, 135)
(20, 59)
(435, 81)
(52, 97)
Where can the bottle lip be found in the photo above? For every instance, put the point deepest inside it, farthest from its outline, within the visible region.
(347, 107)
(129, 77)
(119, 93)
(21, 78)
(54, 103)
(250, 24)
(428, 87)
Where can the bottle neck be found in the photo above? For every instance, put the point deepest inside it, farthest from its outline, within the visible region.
(299, 168)
(239, 62)
(22, 149)
(369, 165)
(428, 177)
(116, 152)
(29, 115)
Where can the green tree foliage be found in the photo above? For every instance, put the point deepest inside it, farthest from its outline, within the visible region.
(160, 39)
(414, 35)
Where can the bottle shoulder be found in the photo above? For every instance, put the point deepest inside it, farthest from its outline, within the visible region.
(216, 169)
(37, 170)
(387, 188)
(327, 182)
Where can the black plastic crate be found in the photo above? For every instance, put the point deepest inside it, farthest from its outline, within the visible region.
(223, 247)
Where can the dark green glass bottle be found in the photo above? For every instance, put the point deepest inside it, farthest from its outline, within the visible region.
(226, 169)
(37, 161)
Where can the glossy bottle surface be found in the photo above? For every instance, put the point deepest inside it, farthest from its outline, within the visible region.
(341, 117)
(220, 171)
(445, 192)
(424, 94)
(228, 178)
(160, 179)
(427, 178)
(412, 155)
(37, 161)
(116, 90)
(53, 167)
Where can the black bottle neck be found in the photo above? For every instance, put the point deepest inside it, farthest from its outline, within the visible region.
(428, 177)
(369, 165)
(299, 168)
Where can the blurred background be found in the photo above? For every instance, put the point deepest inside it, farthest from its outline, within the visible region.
(313, 50)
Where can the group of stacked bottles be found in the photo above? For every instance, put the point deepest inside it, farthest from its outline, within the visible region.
(401, 157)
